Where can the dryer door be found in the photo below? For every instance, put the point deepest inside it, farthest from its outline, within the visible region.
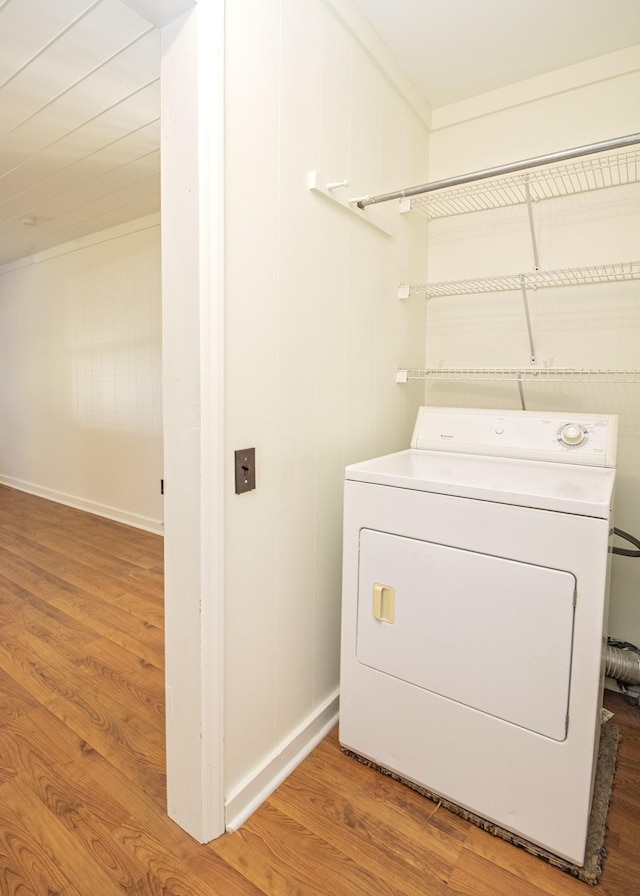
(493, 634)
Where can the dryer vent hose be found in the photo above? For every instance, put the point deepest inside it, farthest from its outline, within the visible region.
(622, 665)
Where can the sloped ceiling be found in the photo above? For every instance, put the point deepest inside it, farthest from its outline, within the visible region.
(79, 120)
(80, 91)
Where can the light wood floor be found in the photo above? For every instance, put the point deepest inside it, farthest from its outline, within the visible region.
(82, 793)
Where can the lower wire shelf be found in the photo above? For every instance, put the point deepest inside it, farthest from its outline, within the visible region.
(518, 374)
(617, 272)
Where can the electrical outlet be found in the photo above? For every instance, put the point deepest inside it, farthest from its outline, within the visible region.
(245, 470)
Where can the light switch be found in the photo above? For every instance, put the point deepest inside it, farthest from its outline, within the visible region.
(245, 460)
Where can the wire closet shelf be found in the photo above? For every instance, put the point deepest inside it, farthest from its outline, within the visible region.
(557, 181)
(519, 375)
(613, 169)
(601, 273)
(595, 166)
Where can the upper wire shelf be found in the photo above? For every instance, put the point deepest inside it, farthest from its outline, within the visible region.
(578, 176)
(601, 273)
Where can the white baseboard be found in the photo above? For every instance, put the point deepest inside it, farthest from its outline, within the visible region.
(110, 513)
(255, 789)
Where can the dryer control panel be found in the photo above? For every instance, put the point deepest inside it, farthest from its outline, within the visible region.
(589, 439)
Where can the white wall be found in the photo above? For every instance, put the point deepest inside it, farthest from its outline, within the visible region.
(313, 334)
(80, 374)
(587, 327)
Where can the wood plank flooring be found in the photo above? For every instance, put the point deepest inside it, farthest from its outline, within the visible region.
(82, 764)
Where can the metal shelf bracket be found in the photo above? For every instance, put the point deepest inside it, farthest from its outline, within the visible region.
(532, 229)
(525, 302)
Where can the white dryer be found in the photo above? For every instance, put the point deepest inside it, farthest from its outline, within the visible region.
(474, 614)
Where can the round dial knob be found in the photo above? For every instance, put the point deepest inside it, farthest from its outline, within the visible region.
(572, 434)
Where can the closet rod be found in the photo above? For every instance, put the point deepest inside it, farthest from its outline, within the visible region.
(550, 158)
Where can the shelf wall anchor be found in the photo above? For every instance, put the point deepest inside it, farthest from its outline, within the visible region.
(318, 183)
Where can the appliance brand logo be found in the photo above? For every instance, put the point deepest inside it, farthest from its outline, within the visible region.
(444, 435)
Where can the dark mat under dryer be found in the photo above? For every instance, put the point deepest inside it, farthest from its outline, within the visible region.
(596, 852)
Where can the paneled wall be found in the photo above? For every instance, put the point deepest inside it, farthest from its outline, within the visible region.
(80, 374)
(581, 327)
(313, 334)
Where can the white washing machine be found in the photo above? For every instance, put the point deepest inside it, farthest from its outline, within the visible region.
(474, 614)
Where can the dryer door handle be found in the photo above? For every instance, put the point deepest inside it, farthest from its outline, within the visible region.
(384, 603)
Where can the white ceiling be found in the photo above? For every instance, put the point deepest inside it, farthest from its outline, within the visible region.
(79, 120)
(80, 91)
(455, 49)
